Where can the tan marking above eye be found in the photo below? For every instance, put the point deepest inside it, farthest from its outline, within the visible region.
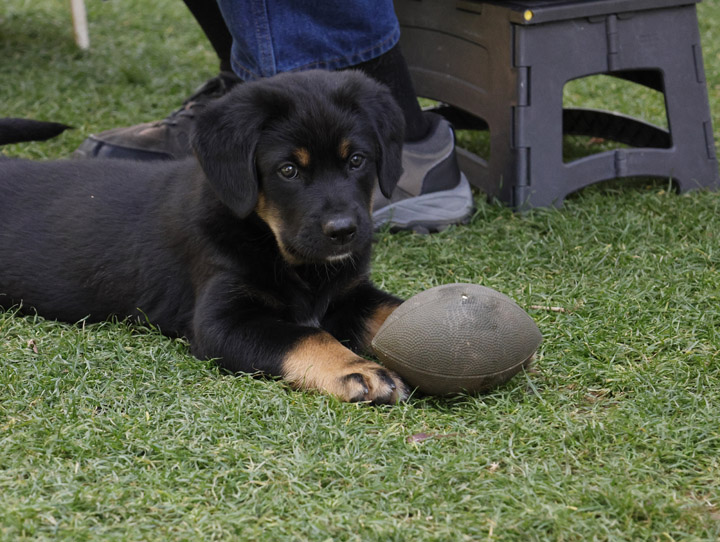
(344, 149)
(303, 156)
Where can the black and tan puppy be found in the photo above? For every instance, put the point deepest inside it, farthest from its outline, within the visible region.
(257, 251)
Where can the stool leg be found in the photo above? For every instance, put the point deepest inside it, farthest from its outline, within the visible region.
(80, 27)
(688, 110)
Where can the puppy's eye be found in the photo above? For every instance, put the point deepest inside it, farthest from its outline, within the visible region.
(356, 160)
(289, 171)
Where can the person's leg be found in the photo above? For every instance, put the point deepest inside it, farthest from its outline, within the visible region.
(210, 19)
(276, 36)
(391, 69)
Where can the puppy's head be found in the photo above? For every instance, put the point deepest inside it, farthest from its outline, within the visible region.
(304, 151)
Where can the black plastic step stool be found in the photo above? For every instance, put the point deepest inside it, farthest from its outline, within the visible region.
(506, 63)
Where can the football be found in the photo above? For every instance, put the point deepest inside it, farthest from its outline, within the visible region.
(457, 337)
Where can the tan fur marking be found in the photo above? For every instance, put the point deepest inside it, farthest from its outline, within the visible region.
(321, 363)
(344, 149)
(272, 217)
(269, 215)
(316, 359)
(303, 156)
(376, 320)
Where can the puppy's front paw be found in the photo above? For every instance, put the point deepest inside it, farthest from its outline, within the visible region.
(320, 362)
(363, 380)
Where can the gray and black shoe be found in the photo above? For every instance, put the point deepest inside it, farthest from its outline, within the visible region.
(432, 192)
(167, 139)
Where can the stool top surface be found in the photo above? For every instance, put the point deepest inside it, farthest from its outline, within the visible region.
(544, 11)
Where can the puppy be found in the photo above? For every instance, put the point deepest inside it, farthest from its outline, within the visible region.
(257, 250)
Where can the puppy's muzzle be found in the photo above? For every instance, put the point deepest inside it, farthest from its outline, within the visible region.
(340, 230)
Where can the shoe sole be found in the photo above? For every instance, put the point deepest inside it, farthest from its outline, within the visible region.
(428, 213)
(96, 148)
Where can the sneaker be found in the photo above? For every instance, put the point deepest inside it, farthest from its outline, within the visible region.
(167, 139)
(432, 192)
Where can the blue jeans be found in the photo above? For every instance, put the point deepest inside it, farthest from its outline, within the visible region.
(273, 36)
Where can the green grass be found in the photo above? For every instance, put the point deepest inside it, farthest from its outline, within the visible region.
(115, 432)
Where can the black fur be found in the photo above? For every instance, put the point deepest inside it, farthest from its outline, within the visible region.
(222, 249)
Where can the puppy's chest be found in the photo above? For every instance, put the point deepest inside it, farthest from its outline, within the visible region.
(308, 310)
(307, 301)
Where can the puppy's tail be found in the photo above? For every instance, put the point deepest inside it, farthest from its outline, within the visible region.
(19, 130)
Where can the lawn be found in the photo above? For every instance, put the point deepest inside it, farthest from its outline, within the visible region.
(114, 432)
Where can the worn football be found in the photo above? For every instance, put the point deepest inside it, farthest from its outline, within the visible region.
(457, 337)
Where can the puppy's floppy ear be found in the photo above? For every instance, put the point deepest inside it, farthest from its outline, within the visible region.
(376, 101)
(225, 138)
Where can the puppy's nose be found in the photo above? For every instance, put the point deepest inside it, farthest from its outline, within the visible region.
(340, 230)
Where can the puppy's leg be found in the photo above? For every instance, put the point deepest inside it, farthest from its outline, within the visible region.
(320, 362)
(356, 318)
(243, 338)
